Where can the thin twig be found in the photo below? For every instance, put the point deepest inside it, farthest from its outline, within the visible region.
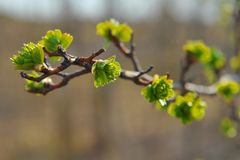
(129, 53)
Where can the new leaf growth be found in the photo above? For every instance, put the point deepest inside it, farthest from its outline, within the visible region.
(159, 91)
(105, 71)
(31, 57)
(55, 38)
(111, 28)
(187, 108)
(228, 89)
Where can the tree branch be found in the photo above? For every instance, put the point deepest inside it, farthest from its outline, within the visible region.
(129, 53)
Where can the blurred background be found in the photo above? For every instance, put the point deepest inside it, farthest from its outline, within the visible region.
(79, 122)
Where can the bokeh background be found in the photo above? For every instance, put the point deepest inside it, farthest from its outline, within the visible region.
(79, 122)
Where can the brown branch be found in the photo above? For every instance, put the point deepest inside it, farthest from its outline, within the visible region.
(48, 72)
(187, 63)
(129, 53)
(85, 62)
(88, 61)
(50, 87)
(142, 80)
(147, 79)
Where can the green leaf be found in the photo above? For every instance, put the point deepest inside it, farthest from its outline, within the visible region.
(216, 62)
(211, 58)
(54, 38)
(66, 40)
(120, 30)
(217, 59)
(55, 59)
(228, 89)
(198, 50)
(229, 128)
(159, 91)
(33, 86)
(187, 108)
(105, 71)
(123, 32)
(29, 57)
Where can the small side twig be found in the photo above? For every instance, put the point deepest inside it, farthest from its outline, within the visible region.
(129, 53)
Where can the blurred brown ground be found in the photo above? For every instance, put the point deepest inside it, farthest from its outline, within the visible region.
(114, 122)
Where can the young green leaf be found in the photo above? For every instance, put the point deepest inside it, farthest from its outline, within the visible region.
(33, 86)
(229, 128)
(112, 27)
(198, 50)
(159, 91)
(187, 108)
(105, 71)
(216, 62)
(228, 89)
(217, 59)
(29, 58)
(53, 59)
(54, 38)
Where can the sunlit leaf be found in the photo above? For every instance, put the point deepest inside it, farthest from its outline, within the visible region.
(112, 27)
(159, 91)
(29, 57)
(187, 108)
(105, 71)
(199, 50)
(55, 38)
(228, 89)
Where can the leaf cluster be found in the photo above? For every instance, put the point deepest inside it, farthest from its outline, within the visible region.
(112, 27)
(210, 57)
(105, 71)
(187, 108)
(159, 91)
(33, 86)
(29, 58)
(55, 38)
(228, 89)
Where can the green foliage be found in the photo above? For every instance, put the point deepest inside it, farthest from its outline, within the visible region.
(198, 50)
(29, 58)
(33, 86)
(217, 59)
(53, 59)
(187, 108)
(210, 57)
(229, 128)
(120, 30)
(235, 62)
(228, 89)
(159, 91)
(105, 71)
(54, 38)
(36, 86)
(216, 62)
